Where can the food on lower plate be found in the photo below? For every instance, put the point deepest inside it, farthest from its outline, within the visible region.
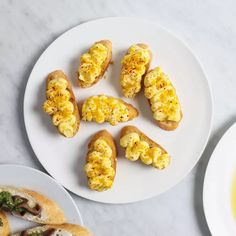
(55, 230)
(4, 225)
(104, 108)
(61, 104)
(163, 99)
(138, 146)
(135, 64)
(94, 63)
(30, 205)
(100, 166)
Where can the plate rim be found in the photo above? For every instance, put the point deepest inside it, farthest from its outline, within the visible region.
(39, 172)
(206, 176)
(209, 89)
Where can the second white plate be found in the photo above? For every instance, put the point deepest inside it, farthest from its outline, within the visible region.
(64, 158)
(218, 182)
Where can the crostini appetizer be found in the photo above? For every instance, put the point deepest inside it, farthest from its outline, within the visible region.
(135, 64)
(61, 104)
(103, 108)
(138, 146)
(100, 167)
(55, 230)
(30, 205)
(94, 63)
(163, 99)
(4, 224)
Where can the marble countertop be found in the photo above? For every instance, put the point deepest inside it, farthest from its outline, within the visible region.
(28, 27)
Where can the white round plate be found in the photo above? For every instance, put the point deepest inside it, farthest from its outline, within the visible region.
(218, 186)
(22, 176)
(64, 158)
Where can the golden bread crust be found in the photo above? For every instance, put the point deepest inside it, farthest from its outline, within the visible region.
(76, 230)
(5, 229)
(108, 45)
(133, 112)
(130, 129)
(169, 125)
(61, 74)
(55, 214)
(166, 125)
(144, 46)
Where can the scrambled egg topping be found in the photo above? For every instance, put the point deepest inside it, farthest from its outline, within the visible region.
(59, 106)
(91, 63)
(98, 168)
(102, 108)
(133, 68)
(162, 96)
(136, 148)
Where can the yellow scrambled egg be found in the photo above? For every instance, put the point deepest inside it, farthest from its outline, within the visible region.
(58, 105)
(98, 168)
(91, 63)
(136, 148)
(162, 96)
(133, 68)
(102, 108)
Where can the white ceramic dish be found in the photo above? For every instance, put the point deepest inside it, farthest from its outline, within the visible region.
(64, 158)
(218, 186)
(22, 176)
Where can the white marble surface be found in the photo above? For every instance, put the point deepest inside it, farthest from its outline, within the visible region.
(28, 27)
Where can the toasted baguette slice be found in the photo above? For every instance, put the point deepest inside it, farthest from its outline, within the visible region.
(60, 230)
(58, 74)
(167, 124)
(32, 206)
(104, 66)
(128, 90)
(130, 128)
(129, 114)
(160, 162)
(4, 225)
(98, 151)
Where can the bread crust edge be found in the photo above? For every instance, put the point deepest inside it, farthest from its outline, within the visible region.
(130, 128)
(5, 229)
(144, 46)
(61, 74)
(166, 125)
(108, 45)
(76, 230)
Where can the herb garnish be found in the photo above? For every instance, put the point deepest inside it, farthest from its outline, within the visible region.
(7, 202)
